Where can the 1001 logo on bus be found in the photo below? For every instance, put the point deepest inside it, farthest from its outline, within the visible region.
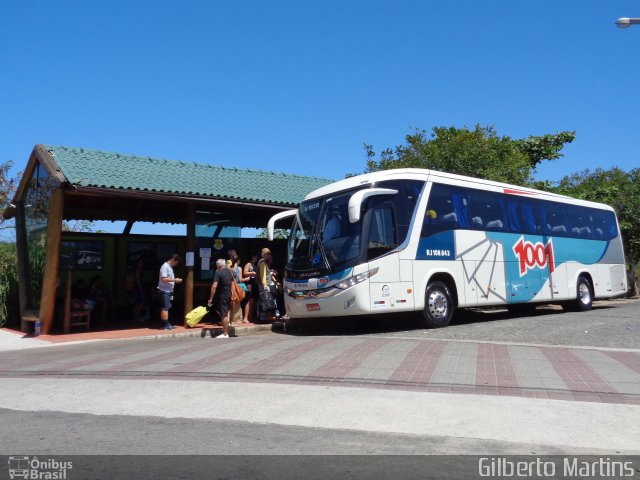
(534, 255)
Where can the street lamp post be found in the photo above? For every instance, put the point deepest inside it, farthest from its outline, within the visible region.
(626, 22)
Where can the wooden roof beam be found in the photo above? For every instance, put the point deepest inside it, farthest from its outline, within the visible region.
(134, 216)
(127, 228)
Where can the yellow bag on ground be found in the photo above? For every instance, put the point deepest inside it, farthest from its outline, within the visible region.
(195, 315)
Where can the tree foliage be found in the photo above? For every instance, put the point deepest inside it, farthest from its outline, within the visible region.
(545, 147)
(479, 152)
(9, 302)
(7, 187)
(278, 233)
(7, 184)
(80, 226)
(619, 189)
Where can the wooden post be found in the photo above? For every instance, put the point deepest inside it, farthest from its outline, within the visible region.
(52, 258)
(191, 245)
(22, 247)
(67, 303)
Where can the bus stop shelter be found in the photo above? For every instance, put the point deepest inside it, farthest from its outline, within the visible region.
(64, 183)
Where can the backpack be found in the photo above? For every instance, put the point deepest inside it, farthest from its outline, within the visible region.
(237, 293)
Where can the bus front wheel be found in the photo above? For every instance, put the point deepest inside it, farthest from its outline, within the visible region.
(438, 306)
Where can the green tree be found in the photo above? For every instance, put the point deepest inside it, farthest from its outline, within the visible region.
(7, 187)
(6, 183)
(9, 304)
(278, 233)
(479, 152)
(621, 190)
(80, 226)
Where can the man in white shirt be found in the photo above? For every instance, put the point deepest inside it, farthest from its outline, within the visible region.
(166, 283)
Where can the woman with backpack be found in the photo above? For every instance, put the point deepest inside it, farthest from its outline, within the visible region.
(237, 310)
(250, 271)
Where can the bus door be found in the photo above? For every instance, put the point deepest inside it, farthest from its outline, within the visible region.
(386, 291)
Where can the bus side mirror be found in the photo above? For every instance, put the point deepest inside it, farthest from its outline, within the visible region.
(275, 218)
(358, 198)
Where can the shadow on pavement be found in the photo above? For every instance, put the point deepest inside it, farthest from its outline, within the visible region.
(398, 322)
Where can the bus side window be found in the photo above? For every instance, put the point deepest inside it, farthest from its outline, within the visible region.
(604, 223)
(382, 238)
(513, 214)
(529, 219)
(404, 203)
(580, 222)
(556, 219)
(440, 214)
(487, 211)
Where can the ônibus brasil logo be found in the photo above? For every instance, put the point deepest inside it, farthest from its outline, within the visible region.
(534, 255)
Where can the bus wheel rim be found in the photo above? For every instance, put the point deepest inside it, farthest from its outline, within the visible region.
(585, 294)
(438, 305)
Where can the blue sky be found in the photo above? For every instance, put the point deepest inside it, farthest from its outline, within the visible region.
(299, 86)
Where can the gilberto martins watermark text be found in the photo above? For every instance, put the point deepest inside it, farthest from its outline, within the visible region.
(569, 467)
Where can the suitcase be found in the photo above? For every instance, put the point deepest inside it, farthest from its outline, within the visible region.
(195, 315)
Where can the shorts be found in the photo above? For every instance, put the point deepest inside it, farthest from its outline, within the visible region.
(222, 306)
(165, 299)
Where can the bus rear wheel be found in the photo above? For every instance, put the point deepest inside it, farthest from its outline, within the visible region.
(584, 296)
(438, 305)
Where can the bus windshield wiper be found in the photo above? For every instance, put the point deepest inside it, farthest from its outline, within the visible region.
(322, 251)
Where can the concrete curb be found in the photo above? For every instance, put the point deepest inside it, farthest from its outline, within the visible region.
(203, 332)
(10, 341)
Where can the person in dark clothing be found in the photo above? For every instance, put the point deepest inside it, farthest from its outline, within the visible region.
(251, 270)
(220, 297)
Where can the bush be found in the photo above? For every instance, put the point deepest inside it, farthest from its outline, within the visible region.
(9, 300)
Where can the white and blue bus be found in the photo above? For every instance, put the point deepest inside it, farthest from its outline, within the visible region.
(422, 240)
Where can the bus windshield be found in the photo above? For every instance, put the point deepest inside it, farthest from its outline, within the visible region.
(323, 240)
(322, 236)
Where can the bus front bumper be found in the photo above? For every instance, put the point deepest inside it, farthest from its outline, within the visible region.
(352, 301)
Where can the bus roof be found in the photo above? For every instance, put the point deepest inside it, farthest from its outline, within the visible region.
(444, 177)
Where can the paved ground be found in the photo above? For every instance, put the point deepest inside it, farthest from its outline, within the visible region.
(11, 340)
(51, 433)
(563, 373)
(614, 324)
(489, 384)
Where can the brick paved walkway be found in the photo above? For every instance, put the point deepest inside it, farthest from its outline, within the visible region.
(592, 375)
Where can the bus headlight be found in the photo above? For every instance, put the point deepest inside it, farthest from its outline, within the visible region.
(351, 281)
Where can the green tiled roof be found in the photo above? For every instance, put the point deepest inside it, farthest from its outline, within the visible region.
(94, 168)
